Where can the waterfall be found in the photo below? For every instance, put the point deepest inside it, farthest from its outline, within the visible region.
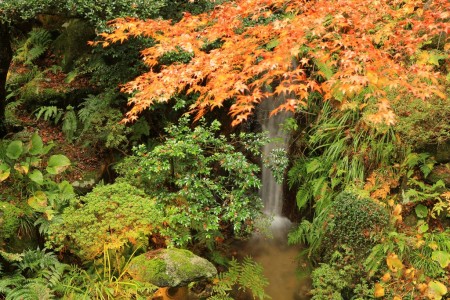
(278, 259)
(271, 191)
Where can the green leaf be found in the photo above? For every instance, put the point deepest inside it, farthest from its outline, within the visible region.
(302, 198)
(423, 228)
(434, 58)
(312, 166)
(436, 290)
(421, 211)
(14, 150)
(36, 176)
(272, 44)
(318, 186)
(36, 144)
(57, 164)
(65, 190)
(442, 257)
(5, 170)
(38, 201)
(47, 148)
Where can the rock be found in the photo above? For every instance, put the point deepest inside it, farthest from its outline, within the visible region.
(170, 268)
(72, 43)
(443, 152)
(410, 220)
(440, 172)
(440, 152)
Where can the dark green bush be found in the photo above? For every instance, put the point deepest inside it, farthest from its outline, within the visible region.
(201, 180)
(355, 221)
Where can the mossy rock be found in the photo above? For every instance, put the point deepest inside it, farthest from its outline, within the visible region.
(440, 172)
(356, 222)
(171, 268)
(443, 152)
(73, 42)
(440, 151)
(33, 95)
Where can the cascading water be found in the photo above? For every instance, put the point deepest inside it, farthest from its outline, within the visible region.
(271, 191)
(280, 261)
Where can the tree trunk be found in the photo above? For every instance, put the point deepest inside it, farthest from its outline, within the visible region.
(5, 61)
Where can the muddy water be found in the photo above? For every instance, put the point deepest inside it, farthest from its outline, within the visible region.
(287, 274)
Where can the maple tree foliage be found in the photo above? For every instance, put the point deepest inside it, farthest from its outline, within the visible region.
(291, 48)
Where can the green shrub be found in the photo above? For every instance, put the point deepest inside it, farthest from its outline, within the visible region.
(108, 218)
(339, 281)
(201, 180)
(355, 221)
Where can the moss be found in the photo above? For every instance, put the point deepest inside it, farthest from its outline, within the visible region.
(151, 270)
(9, 220)
(32, 94)
(176, 259)
(170, 267)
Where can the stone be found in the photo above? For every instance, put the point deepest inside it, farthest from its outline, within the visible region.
(170, 268)
(72, 43)
(440, 172)
(443, 152)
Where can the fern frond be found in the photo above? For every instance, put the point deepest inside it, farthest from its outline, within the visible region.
(70, 123)
(33, 290)
(35, 261)
(7, 284)
(37, 43)
(49, 113)
(247, 275)
(252, 278)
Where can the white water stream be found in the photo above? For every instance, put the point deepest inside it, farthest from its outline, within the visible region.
(279, 260)
(271, 191)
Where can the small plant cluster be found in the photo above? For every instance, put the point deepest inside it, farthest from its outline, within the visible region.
(341, 278)
(29, 172)
(355, 221)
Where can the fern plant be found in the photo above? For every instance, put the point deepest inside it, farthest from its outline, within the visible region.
(100, 120)
(55, 114)
(341, 151)
(36, 275)
(247, 275)
(49, 113)
(34, 46)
